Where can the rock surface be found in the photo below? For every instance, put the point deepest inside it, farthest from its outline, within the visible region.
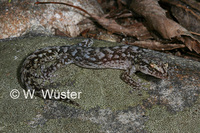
(107, 104)
(22, 16)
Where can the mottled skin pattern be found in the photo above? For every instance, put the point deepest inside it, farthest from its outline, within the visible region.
(124, 57)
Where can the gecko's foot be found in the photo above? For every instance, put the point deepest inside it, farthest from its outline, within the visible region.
(134, 89)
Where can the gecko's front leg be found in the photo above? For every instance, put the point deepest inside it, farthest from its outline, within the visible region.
(126, 77)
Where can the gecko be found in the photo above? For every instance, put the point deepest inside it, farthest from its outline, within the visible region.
(124, 57)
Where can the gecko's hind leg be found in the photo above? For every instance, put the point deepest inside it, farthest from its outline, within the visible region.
(47, 73)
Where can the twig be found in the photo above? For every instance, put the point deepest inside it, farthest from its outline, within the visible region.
(64, 4)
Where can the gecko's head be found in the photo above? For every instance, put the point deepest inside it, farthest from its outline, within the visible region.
(154, 67)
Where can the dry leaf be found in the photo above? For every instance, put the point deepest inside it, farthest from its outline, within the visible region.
(167, 28)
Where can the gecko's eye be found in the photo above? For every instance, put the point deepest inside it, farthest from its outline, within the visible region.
(160, 68)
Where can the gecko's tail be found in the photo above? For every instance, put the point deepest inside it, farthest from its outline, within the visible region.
(34, 72)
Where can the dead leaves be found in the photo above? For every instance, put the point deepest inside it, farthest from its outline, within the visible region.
(138, 31)
(152, 44)
(156, 20)
(167, 28)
